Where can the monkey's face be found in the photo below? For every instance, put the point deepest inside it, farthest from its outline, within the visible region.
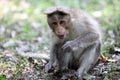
(59, 23)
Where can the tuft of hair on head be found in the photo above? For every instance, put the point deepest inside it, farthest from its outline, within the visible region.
(54, 9)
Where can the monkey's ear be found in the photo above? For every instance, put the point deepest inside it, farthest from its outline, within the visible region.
(58, 9)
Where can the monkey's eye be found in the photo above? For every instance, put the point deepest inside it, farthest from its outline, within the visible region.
(54, 23)
(62, 22)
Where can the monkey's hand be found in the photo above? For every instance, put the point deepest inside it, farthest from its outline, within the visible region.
(49, 68)
(70, 46)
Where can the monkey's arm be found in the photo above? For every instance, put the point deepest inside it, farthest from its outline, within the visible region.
(87, 40)
(83, 42)
(53, 61)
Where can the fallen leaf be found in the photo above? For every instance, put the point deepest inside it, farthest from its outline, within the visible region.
(104, 59)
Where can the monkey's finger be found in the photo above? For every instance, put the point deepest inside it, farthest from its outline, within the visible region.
(67, 49)
(66, 45)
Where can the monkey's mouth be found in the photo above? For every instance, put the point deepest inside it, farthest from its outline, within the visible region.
(61, 36)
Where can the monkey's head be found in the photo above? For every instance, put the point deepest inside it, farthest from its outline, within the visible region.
(59, 21)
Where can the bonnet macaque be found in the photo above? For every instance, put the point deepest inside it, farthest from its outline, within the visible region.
(76, 40)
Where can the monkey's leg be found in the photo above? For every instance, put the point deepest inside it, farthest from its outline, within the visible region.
(88, 59)
(50, 65)
(53, 61)
(63, 60)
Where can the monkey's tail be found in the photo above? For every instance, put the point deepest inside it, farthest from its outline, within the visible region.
(33, 55)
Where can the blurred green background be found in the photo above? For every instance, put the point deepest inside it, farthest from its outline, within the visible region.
(24, 19)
